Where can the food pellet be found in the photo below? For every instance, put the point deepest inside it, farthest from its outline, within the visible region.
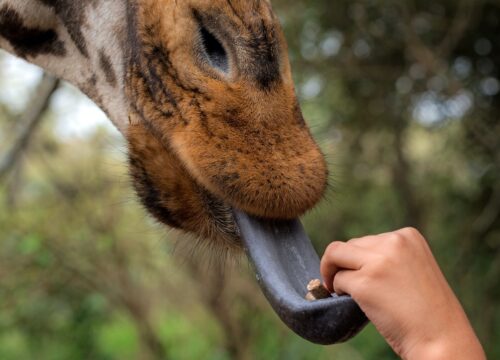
(316, 291)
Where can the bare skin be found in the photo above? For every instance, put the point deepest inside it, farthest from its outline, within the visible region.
(398, 284)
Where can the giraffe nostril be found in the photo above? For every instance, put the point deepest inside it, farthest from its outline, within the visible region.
(214, 51)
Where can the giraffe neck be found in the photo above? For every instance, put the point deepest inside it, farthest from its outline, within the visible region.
(81, 41)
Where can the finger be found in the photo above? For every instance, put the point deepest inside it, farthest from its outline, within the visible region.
(368, 242)
(343, 282)
(339, 255)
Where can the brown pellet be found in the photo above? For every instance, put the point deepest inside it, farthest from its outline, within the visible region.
(316, 291)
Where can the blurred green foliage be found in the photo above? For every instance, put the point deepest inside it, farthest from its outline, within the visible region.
(404, 98)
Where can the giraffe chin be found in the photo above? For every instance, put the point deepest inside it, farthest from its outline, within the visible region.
(172, 196)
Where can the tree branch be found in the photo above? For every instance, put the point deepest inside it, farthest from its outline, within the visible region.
(31, 118)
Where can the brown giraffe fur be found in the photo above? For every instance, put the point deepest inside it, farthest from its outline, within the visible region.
(203, 140)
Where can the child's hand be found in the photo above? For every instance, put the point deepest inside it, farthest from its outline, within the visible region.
(398, 284)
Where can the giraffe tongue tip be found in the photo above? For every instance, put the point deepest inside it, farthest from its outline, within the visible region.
(285, 261)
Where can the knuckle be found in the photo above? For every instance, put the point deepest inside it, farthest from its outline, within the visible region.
(411, 232)
(395, 247)
(397, 241)
(333, 247)
(378, 267)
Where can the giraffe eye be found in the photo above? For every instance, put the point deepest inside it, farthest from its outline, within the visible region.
(214, 51)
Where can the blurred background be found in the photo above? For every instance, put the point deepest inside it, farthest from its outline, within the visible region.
(404, 98)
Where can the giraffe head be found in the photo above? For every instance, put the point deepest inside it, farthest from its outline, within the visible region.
(215, 122)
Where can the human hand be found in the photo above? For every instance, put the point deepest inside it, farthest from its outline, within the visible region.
(398, 284)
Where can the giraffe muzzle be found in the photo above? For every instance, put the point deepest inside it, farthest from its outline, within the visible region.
(284, 262)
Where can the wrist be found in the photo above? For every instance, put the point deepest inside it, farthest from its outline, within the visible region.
(459, 345)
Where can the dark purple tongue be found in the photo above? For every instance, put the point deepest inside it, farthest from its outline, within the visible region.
(284, 262)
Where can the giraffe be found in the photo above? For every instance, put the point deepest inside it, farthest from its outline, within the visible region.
(201, 90)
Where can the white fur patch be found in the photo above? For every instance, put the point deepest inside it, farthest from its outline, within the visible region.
(105, 30)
